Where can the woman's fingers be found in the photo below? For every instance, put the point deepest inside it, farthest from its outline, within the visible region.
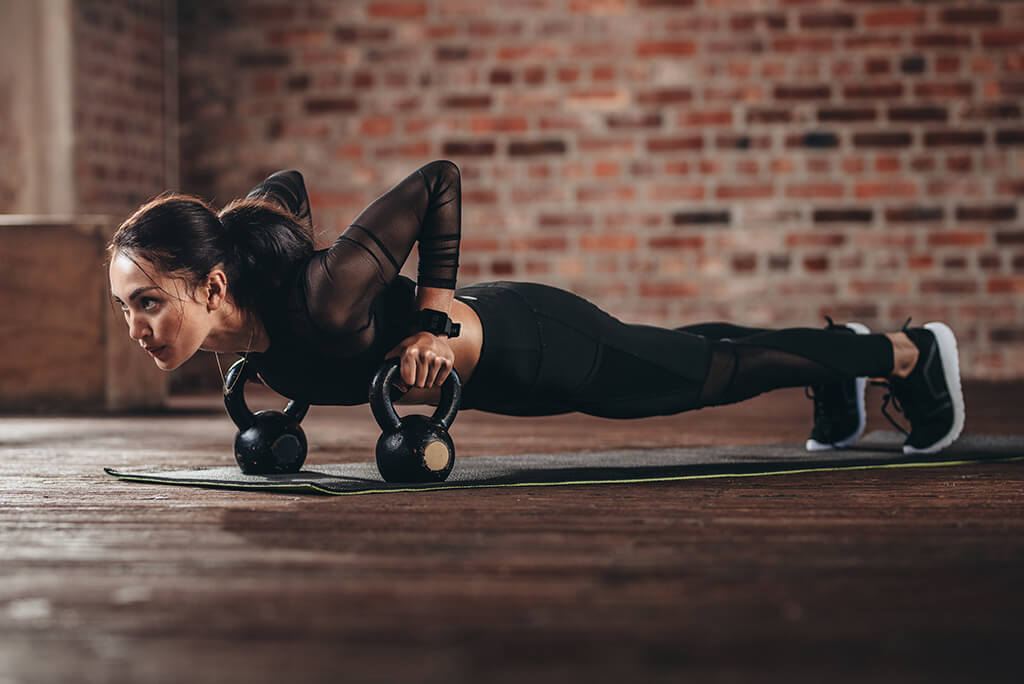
(424, 368)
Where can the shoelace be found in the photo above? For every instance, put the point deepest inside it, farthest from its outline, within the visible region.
(821, 415)
(890, 396)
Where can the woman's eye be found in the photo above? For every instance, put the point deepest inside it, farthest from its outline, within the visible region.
(148, 303)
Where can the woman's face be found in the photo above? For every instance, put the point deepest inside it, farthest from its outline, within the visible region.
(162, 316)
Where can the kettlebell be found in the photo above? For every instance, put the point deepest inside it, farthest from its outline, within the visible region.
(414, 448)
(268, 442)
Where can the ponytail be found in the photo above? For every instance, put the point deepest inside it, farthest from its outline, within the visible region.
(262, 243)
(257, 243)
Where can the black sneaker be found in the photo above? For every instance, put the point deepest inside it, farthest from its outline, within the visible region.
(839, 416)
(931, 397)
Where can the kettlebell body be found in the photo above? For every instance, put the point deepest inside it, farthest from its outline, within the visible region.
(414, 448)
(268, 442)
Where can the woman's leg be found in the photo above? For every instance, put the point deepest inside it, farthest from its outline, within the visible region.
(591, 362)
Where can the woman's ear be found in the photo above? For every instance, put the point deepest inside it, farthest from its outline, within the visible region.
(216, 289)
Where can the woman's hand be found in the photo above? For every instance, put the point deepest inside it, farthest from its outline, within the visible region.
(426, 361)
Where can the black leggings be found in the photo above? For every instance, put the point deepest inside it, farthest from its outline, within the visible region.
(547, 351)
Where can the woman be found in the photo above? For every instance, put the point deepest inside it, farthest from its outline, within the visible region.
(320, 322)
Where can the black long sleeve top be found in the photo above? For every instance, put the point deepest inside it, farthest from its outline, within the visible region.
(347, 305)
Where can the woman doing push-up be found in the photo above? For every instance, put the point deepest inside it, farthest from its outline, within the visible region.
(319, 323)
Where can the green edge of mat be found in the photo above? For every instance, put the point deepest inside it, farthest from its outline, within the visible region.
(308, 486)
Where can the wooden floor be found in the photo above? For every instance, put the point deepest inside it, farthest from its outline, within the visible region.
(909, 575)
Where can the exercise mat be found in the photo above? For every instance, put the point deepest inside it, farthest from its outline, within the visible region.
(881, 449)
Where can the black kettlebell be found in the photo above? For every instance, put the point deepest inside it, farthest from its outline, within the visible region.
(414, 448)
(268, 442)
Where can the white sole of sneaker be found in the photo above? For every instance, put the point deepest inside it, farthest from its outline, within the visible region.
(949, 356)
(815, 445)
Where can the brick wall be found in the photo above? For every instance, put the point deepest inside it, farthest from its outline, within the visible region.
(121, 129)
(673, 160)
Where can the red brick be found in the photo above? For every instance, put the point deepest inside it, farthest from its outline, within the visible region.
(638, 120)
(665, 48)
(503, 267)
(502, 124)
(947, 286)
(535, 51)
(664, 4)
(873, 91)
(413, 149)
(891, 18)
(297, 36)
(810, 190)
(890, 42)
(466, 101)
(847, 114)
(888, 164)
(575, 220)
(815, 239)
(331, 105)
(522, 148)
(1009, 186)
(466, 148)
(534, 75)
(694, 142)
(603, 72)
(598, 98)
(791, 44)
(817, 263)
(802, 92)
(711, 117)
(764, 191)
(607, 169)
(535, 268)
(543, 243)
(479, 196)
(679, 289)
(944, 40)
(479, 245)
(674, 242)
(608, 242)
(903, 189)
(377, 125)
(938, 90)
(597, 6)
(615, 193)
(676, 192)
(920, 262)
(954, 138)
(955, 263)
(397, 10)
(958, 239)
(744, 263)
(970, 15)
(1012, 38)
(879, 287)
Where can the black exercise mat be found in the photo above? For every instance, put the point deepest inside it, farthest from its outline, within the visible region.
(880, 449)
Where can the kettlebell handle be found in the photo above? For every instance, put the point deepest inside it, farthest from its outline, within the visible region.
(384, 409)
(234, 396)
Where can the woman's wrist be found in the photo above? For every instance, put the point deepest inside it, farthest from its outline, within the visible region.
(436, 298)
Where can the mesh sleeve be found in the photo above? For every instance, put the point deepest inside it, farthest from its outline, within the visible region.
(287, 190)
(344, 282)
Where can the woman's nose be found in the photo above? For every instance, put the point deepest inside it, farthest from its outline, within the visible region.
(137, 327)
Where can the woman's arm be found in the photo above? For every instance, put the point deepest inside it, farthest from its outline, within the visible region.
(287, 190)
(344, 282)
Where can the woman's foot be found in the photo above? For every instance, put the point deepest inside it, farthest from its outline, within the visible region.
(839, 416)
(929, 394)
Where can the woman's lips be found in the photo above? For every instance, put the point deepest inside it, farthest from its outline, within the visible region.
(156, 352)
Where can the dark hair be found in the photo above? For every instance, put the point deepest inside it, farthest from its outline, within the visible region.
(257, 243)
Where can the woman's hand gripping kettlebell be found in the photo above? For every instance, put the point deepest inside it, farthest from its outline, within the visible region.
(425, 361)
